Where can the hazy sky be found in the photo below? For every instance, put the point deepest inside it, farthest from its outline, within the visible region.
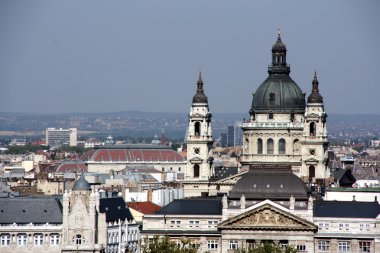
(100, 56)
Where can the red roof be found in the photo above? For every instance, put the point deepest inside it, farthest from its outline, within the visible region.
(132, 155)
(144, 207)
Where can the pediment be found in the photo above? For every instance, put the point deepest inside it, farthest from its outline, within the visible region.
(311, 160)
(267, 217)
(313, 115)
(231, 179)
(196, 159)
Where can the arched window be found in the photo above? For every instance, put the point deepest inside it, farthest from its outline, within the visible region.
(312, 129)
(311, 172)
(259, 146)
(197, 128)
(282, 146)
(196, 170)
(272, 98)
(270, 146)
(296, 147)
(78, 240)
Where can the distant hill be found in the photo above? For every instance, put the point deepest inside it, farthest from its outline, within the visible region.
(137, 123)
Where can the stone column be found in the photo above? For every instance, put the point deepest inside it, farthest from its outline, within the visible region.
(354, 245)
(333, 245)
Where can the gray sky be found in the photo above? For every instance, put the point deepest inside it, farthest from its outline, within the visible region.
(100, 56)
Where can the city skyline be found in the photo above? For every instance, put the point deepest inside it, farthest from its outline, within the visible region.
(86, 56)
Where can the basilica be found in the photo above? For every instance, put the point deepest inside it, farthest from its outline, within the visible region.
(284, 151)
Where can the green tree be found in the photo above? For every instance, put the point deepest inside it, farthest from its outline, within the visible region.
(269, 248)
(165, 245)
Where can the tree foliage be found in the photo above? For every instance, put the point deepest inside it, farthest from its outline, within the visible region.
(269, 248)
(165, 245)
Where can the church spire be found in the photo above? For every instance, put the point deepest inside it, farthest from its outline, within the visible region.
(200, 96)
(315, 97)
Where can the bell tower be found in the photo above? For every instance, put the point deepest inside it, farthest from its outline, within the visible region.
(315, 142)
(199, 137)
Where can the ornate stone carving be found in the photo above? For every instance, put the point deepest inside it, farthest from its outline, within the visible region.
(267, 217)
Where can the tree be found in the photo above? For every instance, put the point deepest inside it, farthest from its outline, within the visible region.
(165, 245)
(269, 248)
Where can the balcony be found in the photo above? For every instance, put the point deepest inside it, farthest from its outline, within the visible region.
(274, 125)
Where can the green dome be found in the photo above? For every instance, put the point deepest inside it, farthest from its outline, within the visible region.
(278, 94)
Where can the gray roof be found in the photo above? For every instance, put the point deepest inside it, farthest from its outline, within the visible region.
(81, 184)
(115, 208)
(30, 210)
(346, 209)
(274, 182)
(193, 206)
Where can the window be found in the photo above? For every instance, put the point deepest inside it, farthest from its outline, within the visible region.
(270, 147)
(233, 244)
(78, 240)
(5, 240)
(175, 222)
(341, 225)
(272, 98)
(344, 246)
(312, 129)
(347, 226)
(270, 115)
(21, 239)
(196, 170)
(301, 248)
(311, 172)
(38, 239)
(282, 146)
(194, 223)
(259, 146)
(324, 245)
(367, 226)
(197, 128)
(212, 244)
(212, 222)
(327, 226)
(364, 246)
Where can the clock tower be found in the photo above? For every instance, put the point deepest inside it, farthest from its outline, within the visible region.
(199, 137)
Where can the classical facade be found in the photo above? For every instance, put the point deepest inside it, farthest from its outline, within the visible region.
(269, 204)
(284, 147)
(282, 128)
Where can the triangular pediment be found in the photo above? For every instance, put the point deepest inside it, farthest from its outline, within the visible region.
(267, 217)
(231, 179)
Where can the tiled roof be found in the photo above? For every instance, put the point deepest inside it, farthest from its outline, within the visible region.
(144, 207)
(114, 208)
(30, 210)
(193, 206)
(132, 155)
(346, 209)
(71, 166)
